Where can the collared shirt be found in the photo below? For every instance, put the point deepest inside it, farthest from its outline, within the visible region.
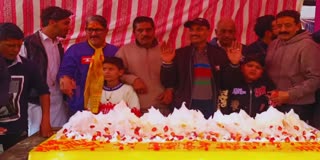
(53, 55)
(52, 51)
(16, 61)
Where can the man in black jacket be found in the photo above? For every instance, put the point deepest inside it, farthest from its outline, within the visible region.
(195, 72)
(25, 75)
(45, 49)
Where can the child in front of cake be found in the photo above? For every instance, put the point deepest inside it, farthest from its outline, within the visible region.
(114, 91)
(249, 91)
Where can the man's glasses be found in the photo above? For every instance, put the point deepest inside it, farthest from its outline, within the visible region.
(97, 30)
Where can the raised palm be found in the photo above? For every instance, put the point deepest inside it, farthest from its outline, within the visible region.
(167, 52)
(235, 52)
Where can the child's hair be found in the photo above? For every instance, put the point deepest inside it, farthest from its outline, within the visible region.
(258, 57)
(115, 61)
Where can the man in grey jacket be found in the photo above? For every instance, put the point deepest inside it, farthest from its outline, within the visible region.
(292, 64)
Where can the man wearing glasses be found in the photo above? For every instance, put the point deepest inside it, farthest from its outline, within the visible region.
(81, 64)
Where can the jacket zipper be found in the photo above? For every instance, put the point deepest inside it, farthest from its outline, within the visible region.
(191, 75)
(250, 100)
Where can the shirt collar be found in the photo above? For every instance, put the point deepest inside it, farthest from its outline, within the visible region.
(44, 37)
(204, 51)
(218, 43)
(16, 61)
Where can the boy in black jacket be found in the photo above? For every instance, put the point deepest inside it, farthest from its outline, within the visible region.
(249, 93)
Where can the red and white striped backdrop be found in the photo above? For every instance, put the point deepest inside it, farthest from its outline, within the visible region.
(169, 15)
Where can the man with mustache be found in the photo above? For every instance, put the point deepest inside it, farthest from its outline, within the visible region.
(44, 48)
(196, 72)
(266, 29)
(79, 73)
(142, 61)
(292, 64)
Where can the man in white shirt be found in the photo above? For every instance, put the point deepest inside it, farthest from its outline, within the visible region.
(44, 48)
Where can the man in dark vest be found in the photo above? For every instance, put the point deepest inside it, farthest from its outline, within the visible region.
(45, 49)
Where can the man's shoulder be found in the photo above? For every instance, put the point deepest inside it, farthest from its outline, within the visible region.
(81, 47)
(127, 87)
(25, 66)
(216, 50)
(32, 39)
(27, 62)
(79, 44)
(111, 47)
(214, 41)
(129, 46)
(184, 49)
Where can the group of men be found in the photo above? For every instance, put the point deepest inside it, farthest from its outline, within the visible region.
(161, 76)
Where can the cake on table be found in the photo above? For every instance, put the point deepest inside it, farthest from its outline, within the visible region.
(120, 134)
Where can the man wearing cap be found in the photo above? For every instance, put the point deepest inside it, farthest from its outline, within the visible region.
(292, 63)
(195, 72)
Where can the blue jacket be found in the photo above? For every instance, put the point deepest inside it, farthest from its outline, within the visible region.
(75, 64)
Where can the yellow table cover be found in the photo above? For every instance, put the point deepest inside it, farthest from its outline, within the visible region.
(68, 149)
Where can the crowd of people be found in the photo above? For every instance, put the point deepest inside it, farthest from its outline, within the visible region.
(42, 85)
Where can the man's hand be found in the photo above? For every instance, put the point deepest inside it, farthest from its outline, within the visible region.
(2, 130)
(167, 53)
(166, 96)
(139, 86)
(235, 53)
(67, 85)
(279, 97)
(45, 129)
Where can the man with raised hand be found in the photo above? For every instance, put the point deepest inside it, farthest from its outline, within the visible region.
(195, 73)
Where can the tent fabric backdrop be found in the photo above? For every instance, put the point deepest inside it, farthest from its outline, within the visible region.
(169, 16)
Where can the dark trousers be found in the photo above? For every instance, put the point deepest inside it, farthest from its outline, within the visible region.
(10, 140)
(316, 111)
(304, 111)
(206, 107)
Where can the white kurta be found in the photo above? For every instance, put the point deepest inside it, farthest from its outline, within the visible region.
(121, 92)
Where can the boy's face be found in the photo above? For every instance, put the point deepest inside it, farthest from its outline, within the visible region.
(252, 71)
(111, 72)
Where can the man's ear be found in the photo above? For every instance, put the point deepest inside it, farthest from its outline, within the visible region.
(51, 21)
(268, 33)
